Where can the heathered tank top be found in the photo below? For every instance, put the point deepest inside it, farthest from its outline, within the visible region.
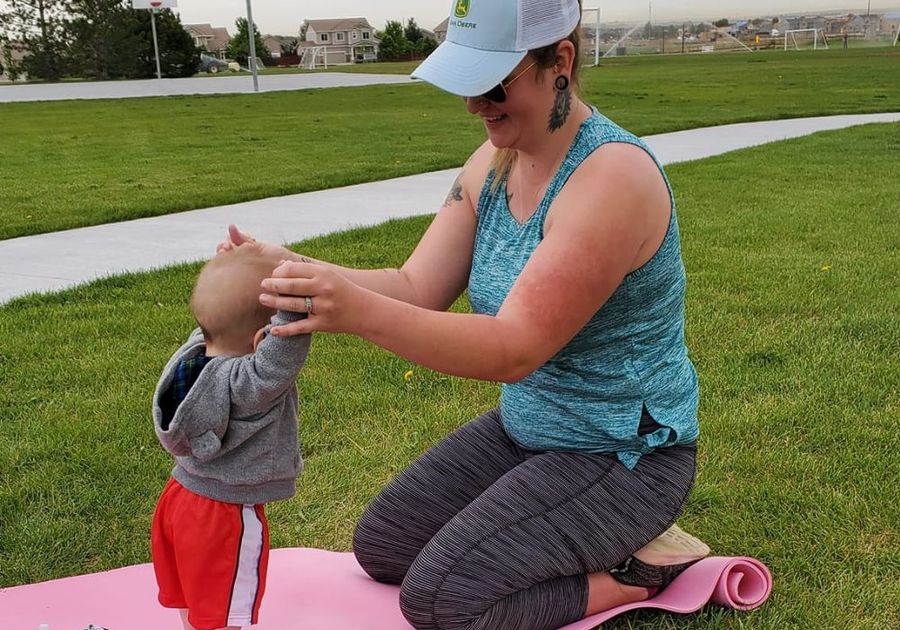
(630, 355)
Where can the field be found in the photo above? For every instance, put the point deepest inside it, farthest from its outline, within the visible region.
(76, 163)
(793, 322)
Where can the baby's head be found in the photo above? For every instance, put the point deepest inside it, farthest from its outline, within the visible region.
(225, 301)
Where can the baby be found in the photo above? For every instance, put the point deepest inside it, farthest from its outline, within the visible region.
(226, 408)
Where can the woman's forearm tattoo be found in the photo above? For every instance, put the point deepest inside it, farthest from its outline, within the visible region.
(560, 112)
(455, 193)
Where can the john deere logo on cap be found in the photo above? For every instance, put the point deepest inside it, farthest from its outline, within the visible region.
(462, 8)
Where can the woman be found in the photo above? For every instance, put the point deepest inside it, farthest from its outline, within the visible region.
(562, 226)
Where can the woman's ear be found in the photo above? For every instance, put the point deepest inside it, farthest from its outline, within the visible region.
(259, 336)
(565, 57)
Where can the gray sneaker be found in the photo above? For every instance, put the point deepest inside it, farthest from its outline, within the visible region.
(657, 564)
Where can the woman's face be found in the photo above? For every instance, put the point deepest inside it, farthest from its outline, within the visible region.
(521, 119)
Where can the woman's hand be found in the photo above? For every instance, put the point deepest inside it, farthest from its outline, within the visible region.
(332, 303)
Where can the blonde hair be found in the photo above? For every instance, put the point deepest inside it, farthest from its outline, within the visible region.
(545, 58)
(225, 300)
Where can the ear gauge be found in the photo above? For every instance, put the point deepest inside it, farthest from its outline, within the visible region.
(562, 82)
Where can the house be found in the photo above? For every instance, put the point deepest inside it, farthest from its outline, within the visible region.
(889, 23)
(847, 24)
(440, 31)
(11, 52)
(788, 23)
(739, 28)
(347, 40)
(813, 21)
(275, 44)
(213, 39)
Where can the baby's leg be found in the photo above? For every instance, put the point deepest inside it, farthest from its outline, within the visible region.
(188, 626)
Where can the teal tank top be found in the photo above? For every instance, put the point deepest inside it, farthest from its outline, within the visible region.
(590, 396)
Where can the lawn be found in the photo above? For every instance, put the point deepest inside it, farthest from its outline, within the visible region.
(76, 163)
(793, 321)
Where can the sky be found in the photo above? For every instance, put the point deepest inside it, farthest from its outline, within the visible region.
(284, 17)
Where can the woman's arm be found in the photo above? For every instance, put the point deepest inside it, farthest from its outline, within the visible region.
(599, 228)
(437, 271)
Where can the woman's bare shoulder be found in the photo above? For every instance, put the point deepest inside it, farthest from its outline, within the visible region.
(477, 167)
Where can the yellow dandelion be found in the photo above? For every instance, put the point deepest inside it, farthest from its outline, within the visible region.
(826, 268)
(408, 375)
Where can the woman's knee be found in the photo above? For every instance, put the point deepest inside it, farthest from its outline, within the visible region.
(419, 603)
(432, 599)
(375, 551)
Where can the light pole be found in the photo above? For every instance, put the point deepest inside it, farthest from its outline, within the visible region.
(251, 35)
(155, 43)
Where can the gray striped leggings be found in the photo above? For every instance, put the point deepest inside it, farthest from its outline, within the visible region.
(483, 534)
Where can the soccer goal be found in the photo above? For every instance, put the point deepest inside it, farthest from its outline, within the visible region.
(604, 39)
(590, 25)
(314, 57)
(804, 39)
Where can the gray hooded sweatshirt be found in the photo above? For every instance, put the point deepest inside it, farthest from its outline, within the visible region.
(235, 435)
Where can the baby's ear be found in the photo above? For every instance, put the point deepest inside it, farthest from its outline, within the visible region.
(259, 336)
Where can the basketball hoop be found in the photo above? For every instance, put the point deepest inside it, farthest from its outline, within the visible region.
(153, 6)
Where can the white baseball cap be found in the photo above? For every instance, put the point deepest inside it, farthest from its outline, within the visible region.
(486, 40)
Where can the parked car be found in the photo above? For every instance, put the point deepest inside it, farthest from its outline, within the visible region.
(210, 64)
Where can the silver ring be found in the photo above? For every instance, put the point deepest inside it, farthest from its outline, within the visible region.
(309, 306)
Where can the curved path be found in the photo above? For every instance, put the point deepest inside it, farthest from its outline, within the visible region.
(49, 262)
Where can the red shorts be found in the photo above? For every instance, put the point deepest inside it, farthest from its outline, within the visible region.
(209, 557)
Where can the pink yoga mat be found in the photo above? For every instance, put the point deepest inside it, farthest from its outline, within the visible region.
(311, 589)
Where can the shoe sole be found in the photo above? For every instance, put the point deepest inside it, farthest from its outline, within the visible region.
(673, 546)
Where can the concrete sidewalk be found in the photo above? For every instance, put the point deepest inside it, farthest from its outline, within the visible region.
(234, 84)
(50, 262)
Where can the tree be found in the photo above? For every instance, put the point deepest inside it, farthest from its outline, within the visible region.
(111, 40)
(394, 44)
(289, 46)
(36, 28)
(702, 27)
(721, 23)
(412, 32)
(104, 41)
(239, 46)
(178, 55)
(303, 28)
(425, 46)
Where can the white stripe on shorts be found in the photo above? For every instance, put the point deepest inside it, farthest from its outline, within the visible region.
(246, 579)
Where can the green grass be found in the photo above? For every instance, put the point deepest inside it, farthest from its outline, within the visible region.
(76, 163)
(793, 321)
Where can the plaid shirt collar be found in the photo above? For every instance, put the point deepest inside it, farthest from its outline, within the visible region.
(186, 374)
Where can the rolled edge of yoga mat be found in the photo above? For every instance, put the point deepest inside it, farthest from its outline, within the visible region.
(733, 582)
(744, 584)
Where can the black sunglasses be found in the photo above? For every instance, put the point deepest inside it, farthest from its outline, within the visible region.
(497, 94)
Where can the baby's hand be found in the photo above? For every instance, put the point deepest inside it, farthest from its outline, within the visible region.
(235, 238)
